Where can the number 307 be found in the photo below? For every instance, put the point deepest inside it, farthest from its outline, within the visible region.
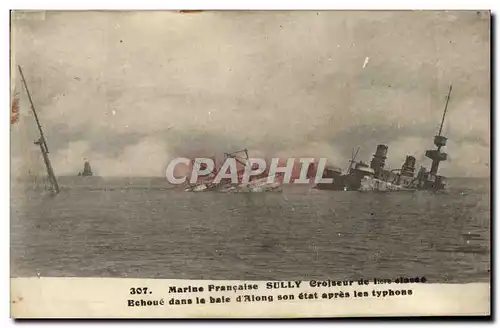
(138, 290)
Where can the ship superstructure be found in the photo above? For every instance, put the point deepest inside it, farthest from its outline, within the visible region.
(376, 176)
(256, 183)
(87, 170)
(432, 180)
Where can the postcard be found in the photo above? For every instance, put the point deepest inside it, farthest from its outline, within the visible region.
(250, 164)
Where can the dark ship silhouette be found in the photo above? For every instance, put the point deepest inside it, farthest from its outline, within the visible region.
(87, 170)
(374, 177)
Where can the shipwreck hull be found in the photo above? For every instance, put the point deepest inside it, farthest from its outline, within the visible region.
(372, 184)
(338, 182)
(259, 185)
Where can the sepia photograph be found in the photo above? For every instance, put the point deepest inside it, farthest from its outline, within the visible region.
(291, 148)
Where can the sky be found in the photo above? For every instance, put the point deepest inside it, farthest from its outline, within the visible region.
(129, 91)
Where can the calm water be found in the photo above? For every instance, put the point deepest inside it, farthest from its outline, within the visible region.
(139, 228)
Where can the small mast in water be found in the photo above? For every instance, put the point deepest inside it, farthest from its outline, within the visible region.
(42, 142)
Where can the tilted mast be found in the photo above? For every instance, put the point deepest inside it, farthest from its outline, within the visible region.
(444, 112)
(439, 141)
(41, 141)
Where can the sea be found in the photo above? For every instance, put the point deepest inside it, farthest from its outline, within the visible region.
(144, 228)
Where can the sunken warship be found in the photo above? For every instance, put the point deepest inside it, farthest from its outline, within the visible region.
(87, 170)
(375, 177)
(256, 183)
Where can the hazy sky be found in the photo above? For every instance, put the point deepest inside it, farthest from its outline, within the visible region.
(131, 90)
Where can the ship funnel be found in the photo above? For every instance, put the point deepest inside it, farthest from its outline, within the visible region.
(378, 161)
(408, 168)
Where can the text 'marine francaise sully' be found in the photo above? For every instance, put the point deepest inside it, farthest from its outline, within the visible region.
(288, 284)
(269, 285)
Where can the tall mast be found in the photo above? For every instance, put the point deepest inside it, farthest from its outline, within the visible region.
(42, 141)
(439, 141)
(445, 109)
